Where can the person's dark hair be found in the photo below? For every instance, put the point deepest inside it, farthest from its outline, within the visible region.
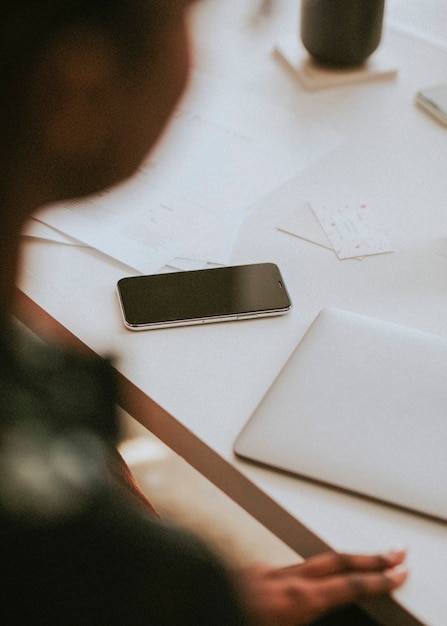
(26, 26)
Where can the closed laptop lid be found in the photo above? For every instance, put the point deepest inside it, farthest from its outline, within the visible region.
(360, 405)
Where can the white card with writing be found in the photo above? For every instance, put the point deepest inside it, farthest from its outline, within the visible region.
(352, 229)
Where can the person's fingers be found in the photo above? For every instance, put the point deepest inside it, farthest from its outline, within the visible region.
(331, 563)
(342, 589)
(290, 596)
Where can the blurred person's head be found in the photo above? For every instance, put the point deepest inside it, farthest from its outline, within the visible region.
(86, 87)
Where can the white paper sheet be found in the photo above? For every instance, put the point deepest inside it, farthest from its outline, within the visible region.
(303, 223)
(222, 151)
(225, 149)
(38, 230)
(140, 225)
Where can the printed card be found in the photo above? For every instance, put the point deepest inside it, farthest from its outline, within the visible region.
(352, 229)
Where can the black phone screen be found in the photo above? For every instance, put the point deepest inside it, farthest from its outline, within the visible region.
(201, 294)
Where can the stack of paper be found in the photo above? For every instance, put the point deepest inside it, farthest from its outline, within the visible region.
(222, 151)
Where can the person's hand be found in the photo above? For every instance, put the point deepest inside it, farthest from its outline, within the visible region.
(299, 594)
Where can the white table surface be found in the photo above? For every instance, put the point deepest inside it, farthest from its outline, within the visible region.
(207, 380)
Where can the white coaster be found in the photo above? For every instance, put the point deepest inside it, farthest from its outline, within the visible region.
(314, 76)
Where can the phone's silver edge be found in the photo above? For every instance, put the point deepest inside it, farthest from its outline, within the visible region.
(205, 320)
(199, 321)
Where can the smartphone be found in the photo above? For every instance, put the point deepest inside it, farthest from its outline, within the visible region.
(434, 100)
(200, 296)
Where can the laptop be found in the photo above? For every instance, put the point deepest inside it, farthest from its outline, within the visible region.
(361, 405)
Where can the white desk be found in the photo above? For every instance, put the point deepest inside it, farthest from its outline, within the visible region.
(209, 379)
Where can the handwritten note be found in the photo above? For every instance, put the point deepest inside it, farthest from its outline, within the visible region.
(350, 230)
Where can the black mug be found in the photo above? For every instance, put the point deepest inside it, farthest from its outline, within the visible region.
(341, 33)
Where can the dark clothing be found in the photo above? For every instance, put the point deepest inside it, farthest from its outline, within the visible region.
(75, 546)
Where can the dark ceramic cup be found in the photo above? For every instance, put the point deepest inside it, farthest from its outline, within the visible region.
(341, 33)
